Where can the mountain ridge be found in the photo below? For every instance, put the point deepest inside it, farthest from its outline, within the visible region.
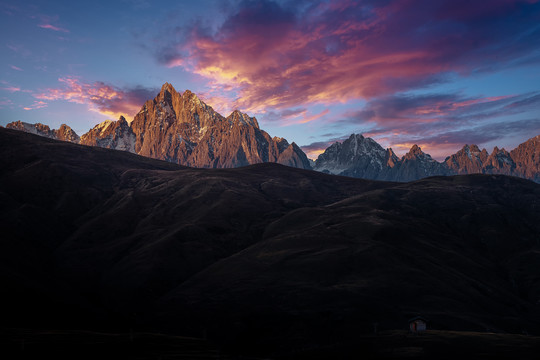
(182, 129)
(356, 160)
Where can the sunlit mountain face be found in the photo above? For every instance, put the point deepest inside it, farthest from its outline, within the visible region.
(438, 74)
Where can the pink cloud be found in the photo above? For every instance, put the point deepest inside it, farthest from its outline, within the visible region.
(100, 97)
(36, 105)
(11, 89)
(5, 102)
(15, 68)
(52, 27)
(49, 22)
(332, 52)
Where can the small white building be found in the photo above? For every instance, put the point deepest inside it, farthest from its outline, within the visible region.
(418, 324)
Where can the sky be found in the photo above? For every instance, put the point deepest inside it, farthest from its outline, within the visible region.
(437, 73)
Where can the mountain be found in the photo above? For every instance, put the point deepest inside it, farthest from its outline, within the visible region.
(364, 158)
(357, 157)
(266, 261)
(64, 133)
(527, 159)
(116, 135)
(182, 129)
(416, 164)
(468, 160)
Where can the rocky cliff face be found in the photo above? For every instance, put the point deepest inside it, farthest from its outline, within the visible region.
(180, 128)
(112, 135)
(468, 160)
(499, 162)
(364, 158)
(416, 164)
(64, 133)
(526, 158)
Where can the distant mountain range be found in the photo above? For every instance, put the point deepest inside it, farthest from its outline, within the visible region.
(362, 157)
(182, 129)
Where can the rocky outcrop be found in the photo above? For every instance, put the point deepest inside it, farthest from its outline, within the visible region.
(112, 135)
(499, 162)
(468, 160)
(64, 133)
(527, 159)
(416, 164)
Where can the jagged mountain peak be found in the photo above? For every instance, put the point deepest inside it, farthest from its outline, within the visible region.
(191, 96)
(242, 118)
(470, 150)
(356, 137)
(65, 133)
(103, 124)
(499, 152)
(111, 134)
(416, 153)
(356, 151)
(357, 144)
(415, 149)
(167, 87)
(184, 129)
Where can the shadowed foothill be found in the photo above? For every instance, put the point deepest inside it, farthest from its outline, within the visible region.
(266, 260)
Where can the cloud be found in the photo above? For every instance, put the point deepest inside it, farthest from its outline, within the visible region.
(4, 102)
(11, 89)
(278, 56)
(19, 49)
(48, 22)
(15, 68)
(52, 27)
(487, 132)
(406, 110)
(99, 96)
(36, 105)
